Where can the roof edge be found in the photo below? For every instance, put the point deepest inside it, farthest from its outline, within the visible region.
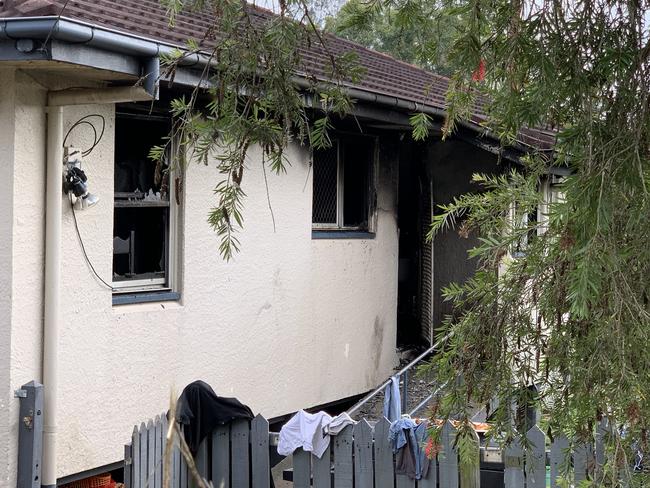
(84, 33)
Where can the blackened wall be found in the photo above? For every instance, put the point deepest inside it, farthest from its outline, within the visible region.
(451, 165)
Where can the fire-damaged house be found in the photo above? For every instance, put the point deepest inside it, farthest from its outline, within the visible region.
(113, 305)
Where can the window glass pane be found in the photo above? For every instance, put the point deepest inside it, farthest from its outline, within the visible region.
(357, 156)
(134, 171)
(143, 256)
(324, 205)
(141, 213)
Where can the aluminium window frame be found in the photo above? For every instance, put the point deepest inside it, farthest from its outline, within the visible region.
(338, 226)
(171, 282)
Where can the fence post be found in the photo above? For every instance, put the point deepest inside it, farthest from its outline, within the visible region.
(513, 461)
(30, 435)
(128, 466)
(260, 453)
(448, 457)
(581, 464)
(535, 458)
(560, 458)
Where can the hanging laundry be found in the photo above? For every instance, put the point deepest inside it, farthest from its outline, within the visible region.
(392, 400)
(199, 411)
(398, 432)
(305, 430)
(421, 434)
(339, 423)
(408, 440)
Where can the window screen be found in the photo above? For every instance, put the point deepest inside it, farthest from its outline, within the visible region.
(325, 207)
(342, 179)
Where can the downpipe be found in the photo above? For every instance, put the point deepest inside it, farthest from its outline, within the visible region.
(52, 295)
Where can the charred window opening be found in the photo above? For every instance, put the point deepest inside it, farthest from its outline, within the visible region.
(342, 184)
(141, 223)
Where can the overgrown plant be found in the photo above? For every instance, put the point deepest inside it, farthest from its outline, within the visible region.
(570, 312)
(249, 97)
(393, 31)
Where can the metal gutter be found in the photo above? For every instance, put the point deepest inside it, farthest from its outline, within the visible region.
(490, 143)
(82, 33)
(76, 31)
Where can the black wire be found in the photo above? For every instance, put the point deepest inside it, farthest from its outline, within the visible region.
(101, 135)
(96, 138)
(79, 124)
(55, 25)
(83, 248)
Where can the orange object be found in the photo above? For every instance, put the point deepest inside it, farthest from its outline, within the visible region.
(479, 72)
(99, 481)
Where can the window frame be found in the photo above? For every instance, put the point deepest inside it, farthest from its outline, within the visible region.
(155, 289)
(339, 226)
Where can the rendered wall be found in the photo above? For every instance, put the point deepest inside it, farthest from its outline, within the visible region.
(7, 107)
(290, 323)
(22, 180)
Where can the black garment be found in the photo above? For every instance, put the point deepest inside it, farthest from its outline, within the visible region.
(199, 410)
(405, 461)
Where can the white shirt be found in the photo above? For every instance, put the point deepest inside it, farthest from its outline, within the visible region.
(304, 430)
(339, 423)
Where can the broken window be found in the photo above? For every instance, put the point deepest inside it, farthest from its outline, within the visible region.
(142, 216)
(343, 185)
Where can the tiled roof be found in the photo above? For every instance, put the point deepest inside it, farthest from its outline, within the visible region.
(384, 75)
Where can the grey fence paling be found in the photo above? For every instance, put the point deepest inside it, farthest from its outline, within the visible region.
(237, 456)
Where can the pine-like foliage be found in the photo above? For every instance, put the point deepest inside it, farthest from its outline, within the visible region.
(249, 97)
(393, 31)
(570, 313)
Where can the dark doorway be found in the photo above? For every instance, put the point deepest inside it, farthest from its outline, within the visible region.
(415, 253)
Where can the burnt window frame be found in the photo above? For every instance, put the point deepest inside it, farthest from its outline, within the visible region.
(128, 291)
(339, 228)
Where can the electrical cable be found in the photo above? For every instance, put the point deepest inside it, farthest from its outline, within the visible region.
(96, 138)
(79, 124)
(83, 248)
(101, 135)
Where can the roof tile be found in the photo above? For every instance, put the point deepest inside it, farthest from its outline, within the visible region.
(383, 75)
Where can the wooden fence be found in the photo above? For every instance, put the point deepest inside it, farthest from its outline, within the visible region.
(237, 456)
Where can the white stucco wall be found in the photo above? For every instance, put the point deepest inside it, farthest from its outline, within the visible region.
(7, 109)
(290, 323)
(22, 177)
